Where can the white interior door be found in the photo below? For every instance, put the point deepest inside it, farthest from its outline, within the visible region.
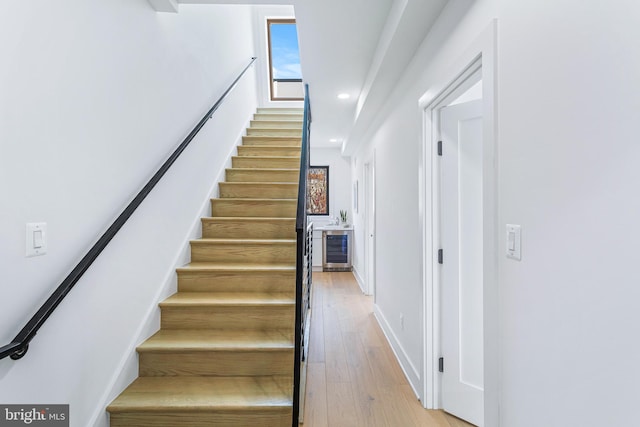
(369, 206)
(462, 261)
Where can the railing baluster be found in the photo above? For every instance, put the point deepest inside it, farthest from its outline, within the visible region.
(304, 249)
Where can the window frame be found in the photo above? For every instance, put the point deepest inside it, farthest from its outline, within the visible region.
(271, 79)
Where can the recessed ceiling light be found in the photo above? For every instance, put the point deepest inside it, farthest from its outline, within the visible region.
(344, 96)
(333, 140)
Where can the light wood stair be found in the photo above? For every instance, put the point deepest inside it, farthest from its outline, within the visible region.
(224, 354)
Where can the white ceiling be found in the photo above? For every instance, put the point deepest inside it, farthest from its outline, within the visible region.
(338, 40)
(359, 47)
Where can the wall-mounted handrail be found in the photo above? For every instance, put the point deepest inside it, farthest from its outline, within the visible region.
(18, 347)
(303, 259)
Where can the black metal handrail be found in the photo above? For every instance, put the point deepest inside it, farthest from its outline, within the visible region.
(303, 259)
(20, 344)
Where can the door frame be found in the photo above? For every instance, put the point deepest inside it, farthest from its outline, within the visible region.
(370, 224)
(479, 57)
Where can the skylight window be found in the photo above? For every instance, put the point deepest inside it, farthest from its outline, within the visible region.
(285, 75)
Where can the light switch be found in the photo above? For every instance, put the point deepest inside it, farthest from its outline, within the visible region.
(511, 240)
(36, 239)
(514, 245)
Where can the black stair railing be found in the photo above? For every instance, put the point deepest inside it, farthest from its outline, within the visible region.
(304, 234)
(18, 347)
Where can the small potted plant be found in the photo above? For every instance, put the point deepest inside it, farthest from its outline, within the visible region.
(343, 218)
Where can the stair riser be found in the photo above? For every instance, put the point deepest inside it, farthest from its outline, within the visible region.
(254, 191)
(270, 141)
(276, 282)
(268, 110)
(276, 124)
(265, 163)
(219, 363)
(241, 317)
(262, 175)
(269, 117)
(250, 208)
(279, 417)
(274, 132)
(252, 150)
(248, 229)
(243, 253)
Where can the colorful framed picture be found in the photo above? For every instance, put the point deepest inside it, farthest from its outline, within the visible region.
(318, 190)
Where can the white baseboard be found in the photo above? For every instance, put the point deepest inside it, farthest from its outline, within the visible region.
(360, 280)
(409, 369)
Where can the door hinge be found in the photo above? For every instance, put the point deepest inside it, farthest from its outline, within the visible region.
(441, 364)
(440, 256)
(439, 148)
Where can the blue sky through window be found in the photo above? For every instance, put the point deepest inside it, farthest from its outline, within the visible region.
(285, 55)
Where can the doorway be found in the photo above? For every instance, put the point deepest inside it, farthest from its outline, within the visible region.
(452, 206)
(370, 225)
(461, 279)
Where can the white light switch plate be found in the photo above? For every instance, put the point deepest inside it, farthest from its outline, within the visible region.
(36, 239)
(513, 243)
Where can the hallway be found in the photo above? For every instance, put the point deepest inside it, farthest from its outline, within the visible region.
(353, 377)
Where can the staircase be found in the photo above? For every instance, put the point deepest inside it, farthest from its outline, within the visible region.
(224, 355)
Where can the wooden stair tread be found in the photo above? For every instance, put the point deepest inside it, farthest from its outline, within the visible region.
(278, 115)
(259, 182)
(267, 150)
(202, 394)
(263, 125)
(288, 147)
(253, 199)
(243, 241)
(270, 157)
(280, 110)
(206, 299)
(233, 267)
(270, 137)
(171, 340)
(291, 119)
(264, 169)
(248, 218)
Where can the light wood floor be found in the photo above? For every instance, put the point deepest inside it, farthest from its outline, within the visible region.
(353, 377)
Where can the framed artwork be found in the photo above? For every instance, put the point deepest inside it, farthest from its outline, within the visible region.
(318, 190)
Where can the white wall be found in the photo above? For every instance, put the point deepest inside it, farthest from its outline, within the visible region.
(95, 95)
(567, 149)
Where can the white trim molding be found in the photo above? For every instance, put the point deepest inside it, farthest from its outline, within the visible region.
(479, 57)
(359, 279)
(407, 366)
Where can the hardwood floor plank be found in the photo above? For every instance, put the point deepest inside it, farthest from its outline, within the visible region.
(316, 338)
(386, 375)
(316, 410)
(340, 400)
(360, 383)
(334, 353)
(397, 408)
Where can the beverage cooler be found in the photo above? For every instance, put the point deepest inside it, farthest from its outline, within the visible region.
(336, 250)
